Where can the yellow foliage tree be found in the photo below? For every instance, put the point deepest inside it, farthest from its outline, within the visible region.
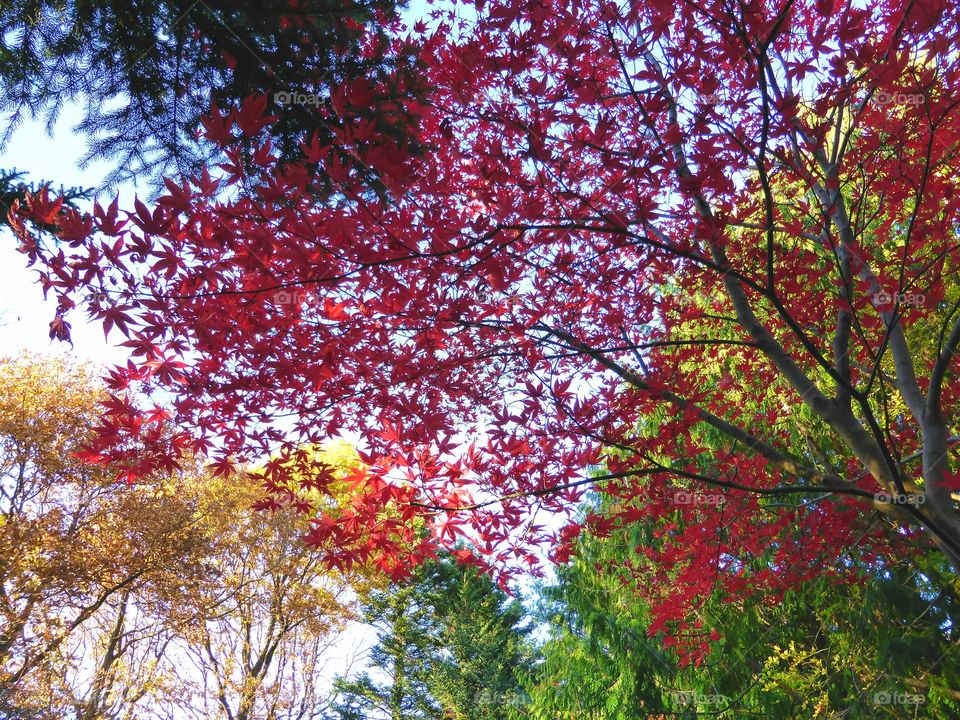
(268, 612)
(128, 601)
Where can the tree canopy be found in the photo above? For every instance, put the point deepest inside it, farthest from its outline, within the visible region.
(619, 200)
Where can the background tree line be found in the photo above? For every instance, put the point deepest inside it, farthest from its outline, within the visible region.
(170, 598)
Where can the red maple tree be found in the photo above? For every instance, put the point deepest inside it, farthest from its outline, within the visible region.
(710, 246)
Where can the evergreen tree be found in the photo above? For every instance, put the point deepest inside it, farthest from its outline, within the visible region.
(148, 71)
(882, 647)
(451, 645)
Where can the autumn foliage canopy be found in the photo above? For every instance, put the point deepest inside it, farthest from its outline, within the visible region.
(647, 248)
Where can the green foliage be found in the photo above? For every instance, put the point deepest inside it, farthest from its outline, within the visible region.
(885, 647)
(451, 645)
(598, 662)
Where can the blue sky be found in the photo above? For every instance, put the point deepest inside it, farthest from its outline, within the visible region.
(24, 316)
